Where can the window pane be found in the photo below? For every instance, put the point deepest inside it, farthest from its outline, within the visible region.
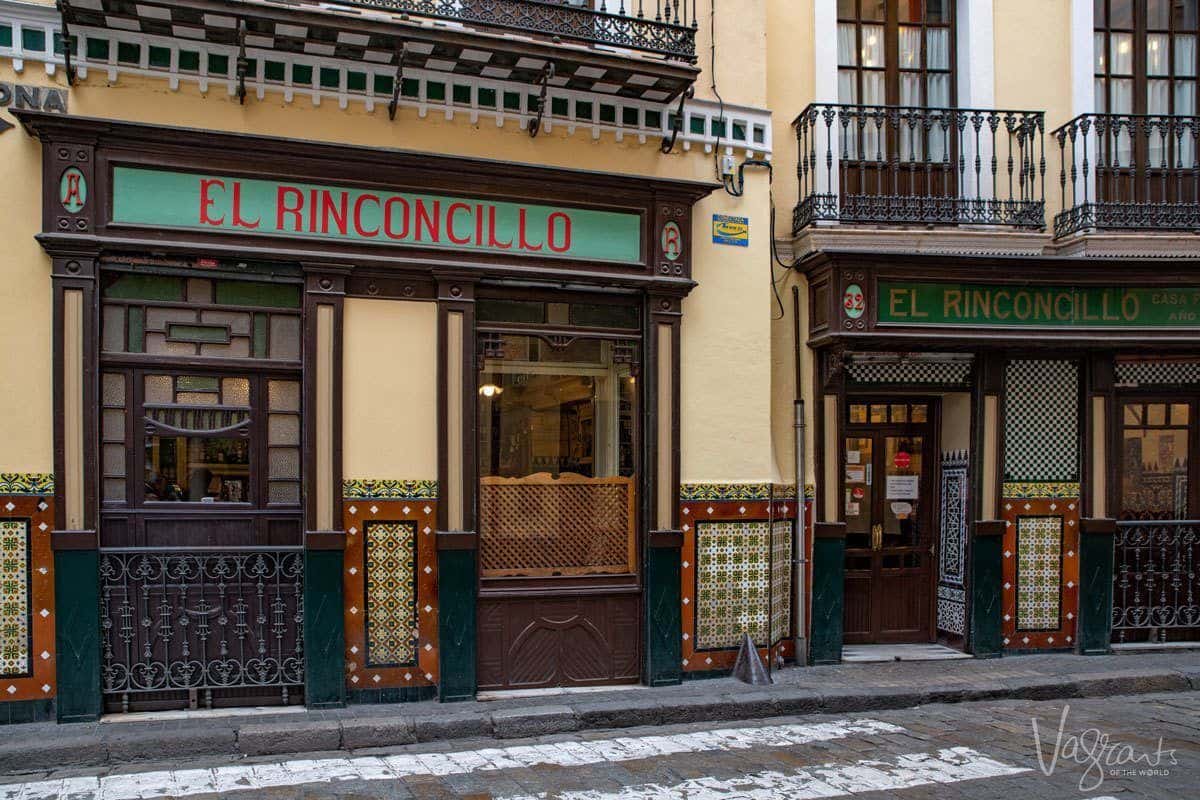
(937, 10)
(113, 460)
(1134, 414)
(1185, 55)
(938, 96)
(1154, 474)
(874, 10)
(159, 389)
(847, 51)
(1157, 53)
(937, 48)
(112, 335)
(1098, 52)
(196, 469)
(113, 422)
(1179, 414)
(235, 391)
(858, 413)
(902, 498)
(283, 395)
(910, 95)
(1120, 99)
(1121, 14)
(1185, 106)
(1101, 96)
(113, 390)
(872, 46)
(283, 429)
(858, 492)
(114, 489)
(920, 413)
(878, 413)
(910, 47)
(283, 462)
(1156, 414)
(285, 337)
(909, 11)
(283, 493)
(1098, 13)
(1185, 14)
(900, 413)
(1158, 14)
(847, 86)
(873, 94)
(1120, 54)
(847, 10)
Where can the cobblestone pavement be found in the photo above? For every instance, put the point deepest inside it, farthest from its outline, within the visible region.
(1118, 747)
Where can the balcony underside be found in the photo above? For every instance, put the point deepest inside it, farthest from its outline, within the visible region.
(1179, 216)
(886, 209)
(645, 60)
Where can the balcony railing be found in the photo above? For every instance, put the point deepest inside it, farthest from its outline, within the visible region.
(664, 27)
(931, 166)
(1129, 171)
(1156, 581)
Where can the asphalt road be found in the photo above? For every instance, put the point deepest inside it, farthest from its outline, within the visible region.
(1119, 747)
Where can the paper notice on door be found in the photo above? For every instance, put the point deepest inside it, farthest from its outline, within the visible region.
(902, 510)
(903, 487)
(852, 509)
(853, 456)
(856, 473)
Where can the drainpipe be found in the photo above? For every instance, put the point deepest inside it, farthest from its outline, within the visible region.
(799, 548)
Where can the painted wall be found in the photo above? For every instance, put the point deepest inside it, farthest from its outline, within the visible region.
(389, 401)
(791, 55)
(956, 421)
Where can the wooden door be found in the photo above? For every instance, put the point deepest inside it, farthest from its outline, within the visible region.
(888, 494)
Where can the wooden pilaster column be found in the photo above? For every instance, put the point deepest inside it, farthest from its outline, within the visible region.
(457, 534)
(664, 615)
(324, 539)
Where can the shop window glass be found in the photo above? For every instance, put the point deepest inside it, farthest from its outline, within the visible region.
(112, 436)
(879, 413)
(557, 435)
(858, 413)
(1155, 460)
(859, 491)
(919, 413)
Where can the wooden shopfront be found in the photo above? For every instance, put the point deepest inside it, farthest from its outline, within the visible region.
(972, 395)
(201, 284)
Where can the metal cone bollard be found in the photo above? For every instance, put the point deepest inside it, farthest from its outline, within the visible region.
(749, 667)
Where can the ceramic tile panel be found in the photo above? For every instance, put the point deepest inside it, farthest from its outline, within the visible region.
(27, 648)
(14, 598)
(1039, 572)
(391, 607)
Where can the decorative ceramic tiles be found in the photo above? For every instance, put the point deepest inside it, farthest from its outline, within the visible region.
(1157, 373)
(399, 607)
(14, 597)
(781, 578)
(388, 489)
(952, 610)
(1039, 490)
(390, 575)
(719, 492)
(27, 651)
(732, 582)
(21, 483)
(952, 549)
(953, 373)
(1039, 572)
(1041, 420)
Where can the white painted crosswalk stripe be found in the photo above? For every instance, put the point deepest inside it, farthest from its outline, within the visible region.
(182, 783)
(952, 765)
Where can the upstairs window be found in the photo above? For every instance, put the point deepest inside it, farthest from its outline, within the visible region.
(896, 52)
(1145, 56)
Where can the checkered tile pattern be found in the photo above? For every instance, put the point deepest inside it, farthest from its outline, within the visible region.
(341, 34)
(952, 373)
(1158, 373)
(1039, 573)
(1041, 421)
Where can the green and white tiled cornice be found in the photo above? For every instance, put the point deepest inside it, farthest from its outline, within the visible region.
(32, 483)
(389, 489)
(33, 33)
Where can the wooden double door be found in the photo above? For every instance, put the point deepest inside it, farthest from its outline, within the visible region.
(888, 492)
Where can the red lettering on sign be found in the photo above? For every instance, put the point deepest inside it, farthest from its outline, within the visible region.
(313, 206)
(282, 207)
(454, 209)
(332, 211)
(429, 222)
(492, 240)
(238, 220)
(206, 201)
(522, 242)
(556, 244)
(358, 214)
(388, 217)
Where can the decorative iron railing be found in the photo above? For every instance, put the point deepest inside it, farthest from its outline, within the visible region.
(1156, 579)
(932, 166)
(1129, 171)
(175, 619)
(665, 27)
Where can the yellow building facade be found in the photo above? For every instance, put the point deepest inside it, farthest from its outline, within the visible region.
(385, 351)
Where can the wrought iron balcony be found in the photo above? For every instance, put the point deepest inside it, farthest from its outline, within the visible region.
(664, 27)
(922, 166)
(1129, 172)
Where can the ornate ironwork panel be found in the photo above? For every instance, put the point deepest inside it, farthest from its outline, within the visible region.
(666, 27)
(932, 166)
(1156, 579)
(221, 619)
(1129, 171)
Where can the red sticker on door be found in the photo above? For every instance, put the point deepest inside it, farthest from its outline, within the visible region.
(902, 460)
(858, 493)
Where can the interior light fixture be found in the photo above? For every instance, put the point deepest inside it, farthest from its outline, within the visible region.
(490, 390)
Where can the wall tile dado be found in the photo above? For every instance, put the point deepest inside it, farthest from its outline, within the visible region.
(391, 588)
(735, 570)
(27, 663)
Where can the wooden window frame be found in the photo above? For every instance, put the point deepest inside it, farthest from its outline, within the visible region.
(891, 53)
(1193, 437)
(1140, 33)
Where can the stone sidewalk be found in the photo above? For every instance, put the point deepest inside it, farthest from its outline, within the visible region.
(832, 689)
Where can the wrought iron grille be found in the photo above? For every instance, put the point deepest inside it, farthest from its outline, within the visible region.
(1129, 171)
(179, 619)
(932, 166)
(1156, 579)
(665, 27)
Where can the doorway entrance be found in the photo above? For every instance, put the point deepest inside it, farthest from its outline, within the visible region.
(888, 491)
(559, 427)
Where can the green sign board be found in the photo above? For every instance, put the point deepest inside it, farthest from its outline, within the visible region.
(987, 305)
(194, 201)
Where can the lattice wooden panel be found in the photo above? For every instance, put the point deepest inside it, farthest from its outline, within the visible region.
(571, 525)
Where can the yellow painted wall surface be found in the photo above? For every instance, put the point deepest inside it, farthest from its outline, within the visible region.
(783, 379)
(741, 38)
(389, 401)
(26, 389)
(726, 360)
(791, 86)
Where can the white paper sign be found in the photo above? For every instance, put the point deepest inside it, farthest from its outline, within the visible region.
(853, 456)
(903, 487)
